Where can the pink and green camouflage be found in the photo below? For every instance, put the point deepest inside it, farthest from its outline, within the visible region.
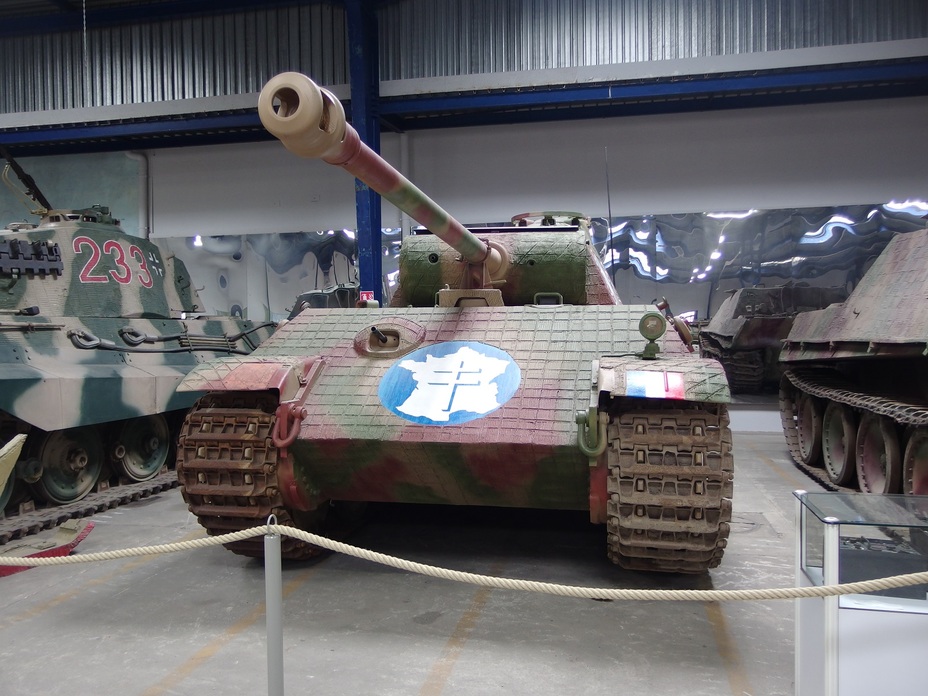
(505, 372)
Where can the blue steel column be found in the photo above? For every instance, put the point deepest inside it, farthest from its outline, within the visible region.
(364, 66)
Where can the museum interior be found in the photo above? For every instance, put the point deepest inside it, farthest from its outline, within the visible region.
(456, 347)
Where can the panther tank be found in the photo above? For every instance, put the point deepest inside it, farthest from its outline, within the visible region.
(855, 380)
(504, 372)
(747, 331)
(97, 329)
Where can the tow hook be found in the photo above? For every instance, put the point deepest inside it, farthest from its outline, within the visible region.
(287, 428)
(291, 413)
(591, 433)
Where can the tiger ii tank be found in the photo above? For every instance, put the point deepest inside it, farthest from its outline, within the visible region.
(97, 329)
(504, 372)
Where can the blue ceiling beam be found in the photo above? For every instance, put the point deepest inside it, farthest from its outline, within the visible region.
(869, 77)
(557, 102)
(364, 68)
(130, 130)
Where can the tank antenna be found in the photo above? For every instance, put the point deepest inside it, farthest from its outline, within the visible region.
(32, 194)
(609, 213)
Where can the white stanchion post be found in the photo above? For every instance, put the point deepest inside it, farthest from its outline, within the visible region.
(830, 577)
(274, 611)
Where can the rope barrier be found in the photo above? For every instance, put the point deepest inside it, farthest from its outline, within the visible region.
(579, 592)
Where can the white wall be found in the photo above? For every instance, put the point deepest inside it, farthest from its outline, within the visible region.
(78, 181)
(782, 157)
(779, 157)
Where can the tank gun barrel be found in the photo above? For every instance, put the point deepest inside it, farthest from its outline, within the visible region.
(310, 122)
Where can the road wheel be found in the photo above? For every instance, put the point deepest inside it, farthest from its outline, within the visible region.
(71, 463)
(839, 443)
(879, 464)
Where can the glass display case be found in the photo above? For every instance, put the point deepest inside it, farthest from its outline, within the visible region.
(861, 643)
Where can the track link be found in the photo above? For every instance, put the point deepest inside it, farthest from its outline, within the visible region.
(227, 468)
(670, 483)
(33, 522)
(830, 385)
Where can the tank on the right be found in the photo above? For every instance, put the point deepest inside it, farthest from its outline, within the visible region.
(854, 391)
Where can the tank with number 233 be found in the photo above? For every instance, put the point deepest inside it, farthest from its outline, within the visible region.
(97, 328)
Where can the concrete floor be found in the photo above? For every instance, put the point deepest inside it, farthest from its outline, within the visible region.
(193, 622)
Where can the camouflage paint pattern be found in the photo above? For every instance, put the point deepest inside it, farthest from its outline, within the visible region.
(853, 394)
(747, 331)
(524, 454)
(540, 262)
(885, 315)
(752, 318)
(96, 326)
(504, 404)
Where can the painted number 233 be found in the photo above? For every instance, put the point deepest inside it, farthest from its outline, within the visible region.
(123, 272)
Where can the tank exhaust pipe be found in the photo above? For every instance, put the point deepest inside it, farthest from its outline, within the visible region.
(310, 122)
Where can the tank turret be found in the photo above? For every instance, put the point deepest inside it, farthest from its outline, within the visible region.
(502, 268)
(505, 372)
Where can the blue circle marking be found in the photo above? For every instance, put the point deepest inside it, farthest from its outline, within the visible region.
(450, 383)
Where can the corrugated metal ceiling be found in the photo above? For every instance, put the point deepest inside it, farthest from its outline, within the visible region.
(429, 60)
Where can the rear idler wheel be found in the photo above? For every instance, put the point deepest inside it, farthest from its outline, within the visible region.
(879, 464)
(143, 447)
(809, 429)
(839, 443)
(71, 462)
(915, 464)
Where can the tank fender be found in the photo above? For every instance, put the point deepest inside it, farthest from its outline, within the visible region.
(683, 379)
(287, 376)
(615, 377)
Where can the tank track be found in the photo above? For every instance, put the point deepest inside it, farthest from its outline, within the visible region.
(227, 467)
(670, 486)
(788, 415)
(830, 385)
(34, 521)
(827, 384)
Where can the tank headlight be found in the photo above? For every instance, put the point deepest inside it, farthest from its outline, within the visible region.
(652, 325)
